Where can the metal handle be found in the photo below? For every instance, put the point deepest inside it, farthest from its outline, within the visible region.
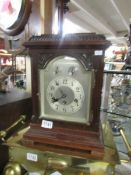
(56, 163)
(3, 133)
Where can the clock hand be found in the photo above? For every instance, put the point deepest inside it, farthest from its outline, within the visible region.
(57, 99)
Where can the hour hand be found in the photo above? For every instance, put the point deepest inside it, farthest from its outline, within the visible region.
(54, 99)
(57, 99)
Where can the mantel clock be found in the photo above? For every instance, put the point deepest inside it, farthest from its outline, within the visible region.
(67, 75)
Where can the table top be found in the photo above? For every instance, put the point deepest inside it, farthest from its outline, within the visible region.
(13, 95)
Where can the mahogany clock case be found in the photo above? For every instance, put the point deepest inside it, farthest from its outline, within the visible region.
(88, 49)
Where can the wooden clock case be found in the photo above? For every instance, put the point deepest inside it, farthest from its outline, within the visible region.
(66, 137)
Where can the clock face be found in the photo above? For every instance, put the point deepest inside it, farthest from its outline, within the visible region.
(65, 91)
(65, 95)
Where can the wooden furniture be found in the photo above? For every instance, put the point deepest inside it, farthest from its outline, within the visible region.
(78, 139)
(13, 104)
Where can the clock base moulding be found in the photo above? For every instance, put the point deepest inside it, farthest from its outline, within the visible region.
(85, 144)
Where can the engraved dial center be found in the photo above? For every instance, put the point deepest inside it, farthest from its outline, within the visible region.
(65, 95)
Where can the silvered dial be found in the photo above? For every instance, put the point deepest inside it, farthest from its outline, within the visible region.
(65, 95)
